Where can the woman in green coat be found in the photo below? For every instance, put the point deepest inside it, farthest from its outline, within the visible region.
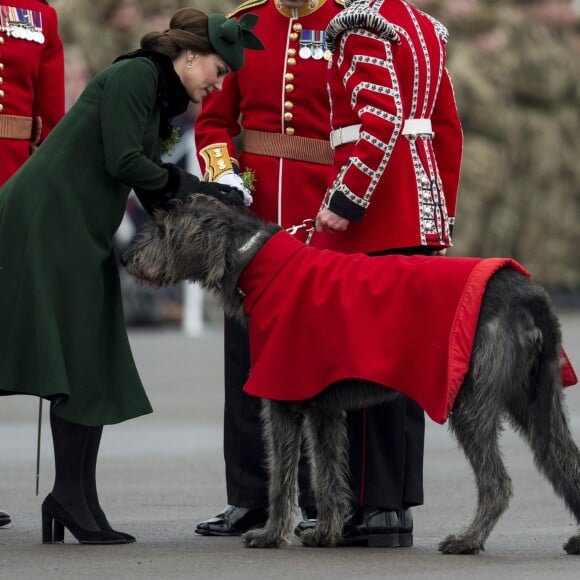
(62, 334)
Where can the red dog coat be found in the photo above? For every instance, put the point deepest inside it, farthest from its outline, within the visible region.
(318, 316)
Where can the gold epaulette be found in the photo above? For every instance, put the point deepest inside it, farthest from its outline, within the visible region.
(245, 5)
(253, 3)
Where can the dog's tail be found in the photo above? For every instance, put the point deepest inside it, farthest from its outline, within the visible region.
(545, 379)
(543, 421)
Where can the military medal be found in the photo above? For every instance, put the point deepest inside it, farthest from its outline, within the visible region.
(21, 23)
(305, 51)
(317, 44)
(5, 25)
(38, 35)
(326, 54)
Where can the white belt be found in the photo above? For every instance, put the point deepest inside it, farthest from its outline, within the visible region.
(344, 135)
(348, 134)
(418, 127)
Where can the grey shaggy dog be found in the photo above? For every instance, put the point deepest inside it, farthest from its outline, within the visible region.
(514, 374)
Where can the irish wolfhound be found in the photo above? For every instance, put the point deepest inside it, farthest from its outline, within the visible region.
(513, 372)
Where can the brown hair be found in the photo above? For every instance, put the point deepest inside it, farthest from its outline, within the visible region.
(187, 31)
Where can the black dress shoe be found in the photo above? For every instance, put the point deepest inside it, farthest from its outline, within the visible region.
(373, 528)
(5, 518)
(233, 521)
(405, 528)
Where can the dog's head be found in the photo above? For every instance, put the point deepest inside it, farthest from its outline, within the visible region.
(197, 241)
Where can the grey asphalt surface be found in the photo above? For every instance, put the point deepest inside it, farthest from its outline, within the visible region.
(161, 474)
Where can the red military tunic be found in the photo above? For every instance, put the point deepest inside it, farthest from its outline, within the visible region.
(388, 75)
(283, 94)
(32, 73)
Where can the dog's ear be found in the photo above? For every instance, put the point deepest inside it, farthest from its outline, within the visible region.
(146, 258)
(216, 270)
(196, 241)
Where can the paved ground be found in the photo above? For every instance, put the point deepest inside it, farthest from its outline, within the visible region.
(161, 474)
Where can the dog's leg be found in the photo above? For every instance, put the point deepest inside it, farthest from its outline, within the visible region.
(476, 422)
(541, 420)
(556, 455)
(477, 434)
(282, 429)
(536, 409)
(328, 442)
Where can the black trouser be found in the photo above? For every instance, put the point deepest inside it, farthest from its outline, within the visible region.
(386, 454)
(386, 444)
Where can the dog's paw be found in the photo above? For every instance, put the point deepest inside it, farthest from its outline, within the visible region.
(315, 539)
(572, 546)
(458, 545)
(259, 538)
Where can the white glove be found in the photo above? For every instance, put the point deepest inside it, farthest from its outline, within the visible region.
(234, 180)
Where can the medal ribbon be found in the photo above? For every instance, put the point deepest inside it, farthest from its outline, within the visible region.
(21, 23)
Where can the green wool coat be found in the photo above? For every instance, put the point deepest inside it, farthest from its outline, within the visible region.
(62, 330)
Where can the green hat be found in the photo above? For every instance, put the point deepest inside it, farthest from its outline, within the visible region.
(229, 37)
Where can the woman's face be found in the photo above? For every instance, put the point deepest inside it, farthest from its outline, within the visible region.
(201, 74)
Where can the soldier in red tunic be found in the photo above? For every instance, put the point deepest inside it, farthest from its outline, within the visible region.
(31, 86)
(397, 143)
(282, 98)
(396, 133)
(32, 72)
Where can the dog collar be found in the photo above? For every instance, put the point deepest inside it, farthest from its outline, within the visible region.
(248, 245)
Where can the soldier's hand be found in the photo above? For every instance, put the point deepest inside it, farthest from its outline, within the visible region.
(328, 221)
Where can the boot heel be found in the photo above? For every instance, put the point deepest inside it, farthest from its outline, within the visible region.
(58, 533)
(46, 529)
(52, 529)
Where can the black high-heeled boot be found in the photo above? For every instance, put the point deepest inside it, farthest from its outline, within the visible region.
(55, 519)
(90, 483)
(66, 505)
